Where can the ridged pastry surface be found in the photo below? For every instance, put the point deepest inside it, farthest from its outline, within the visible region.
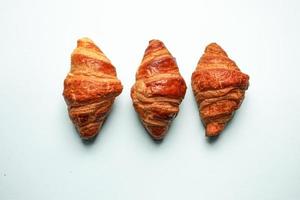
(219, 88)
(90, 88)
(158, 90)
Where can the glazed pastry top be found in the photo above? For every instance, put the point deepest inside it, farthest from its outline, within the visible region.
(219, 88)
(90, 88)
(159, 89)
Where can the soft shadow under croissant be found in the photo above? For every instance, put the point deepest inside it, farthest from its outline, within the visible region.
(219, 88)
(90, 88)
(158, 90)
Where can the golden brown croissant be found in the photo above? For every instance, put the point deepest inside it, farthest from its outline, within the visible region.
(90, 88)
(219, 88)
(159, 89)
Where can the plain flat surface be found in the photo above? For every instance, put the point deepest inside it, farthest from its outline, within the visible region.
(41, 155)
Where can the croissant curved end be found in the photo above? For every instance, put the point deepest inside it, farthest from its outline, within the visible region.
(214, 129)
(90, 133)
(215, 48)
(85, 39)
(156, 132)
(155, 41)
(84, 42)
(153, 45)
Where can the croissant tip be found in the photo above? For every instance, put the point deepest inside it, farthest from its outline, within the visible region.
(214, 129)
(213, 45)
(153, 46)
(87, 138)
(155, 138)
(157, 133)
(214, 48)
(85, 39)
(89, 132)
(82, 42)
(154, 41)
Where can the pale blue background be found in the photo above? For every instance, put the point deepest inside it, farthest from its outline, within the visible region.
(42, 157)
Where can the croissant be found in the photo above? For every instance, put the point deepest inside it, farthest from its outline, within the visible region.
(158, 90)
(90, 88)
(219, 88)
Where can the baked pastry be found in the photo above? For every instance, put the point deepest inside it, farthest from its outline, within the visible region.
(219, 88)
(158, 90)
(90, 88)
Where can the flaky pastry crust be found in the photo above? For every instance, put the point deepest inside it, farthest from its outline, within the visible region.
(158, 90)
(90, 88)
(219, 88)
